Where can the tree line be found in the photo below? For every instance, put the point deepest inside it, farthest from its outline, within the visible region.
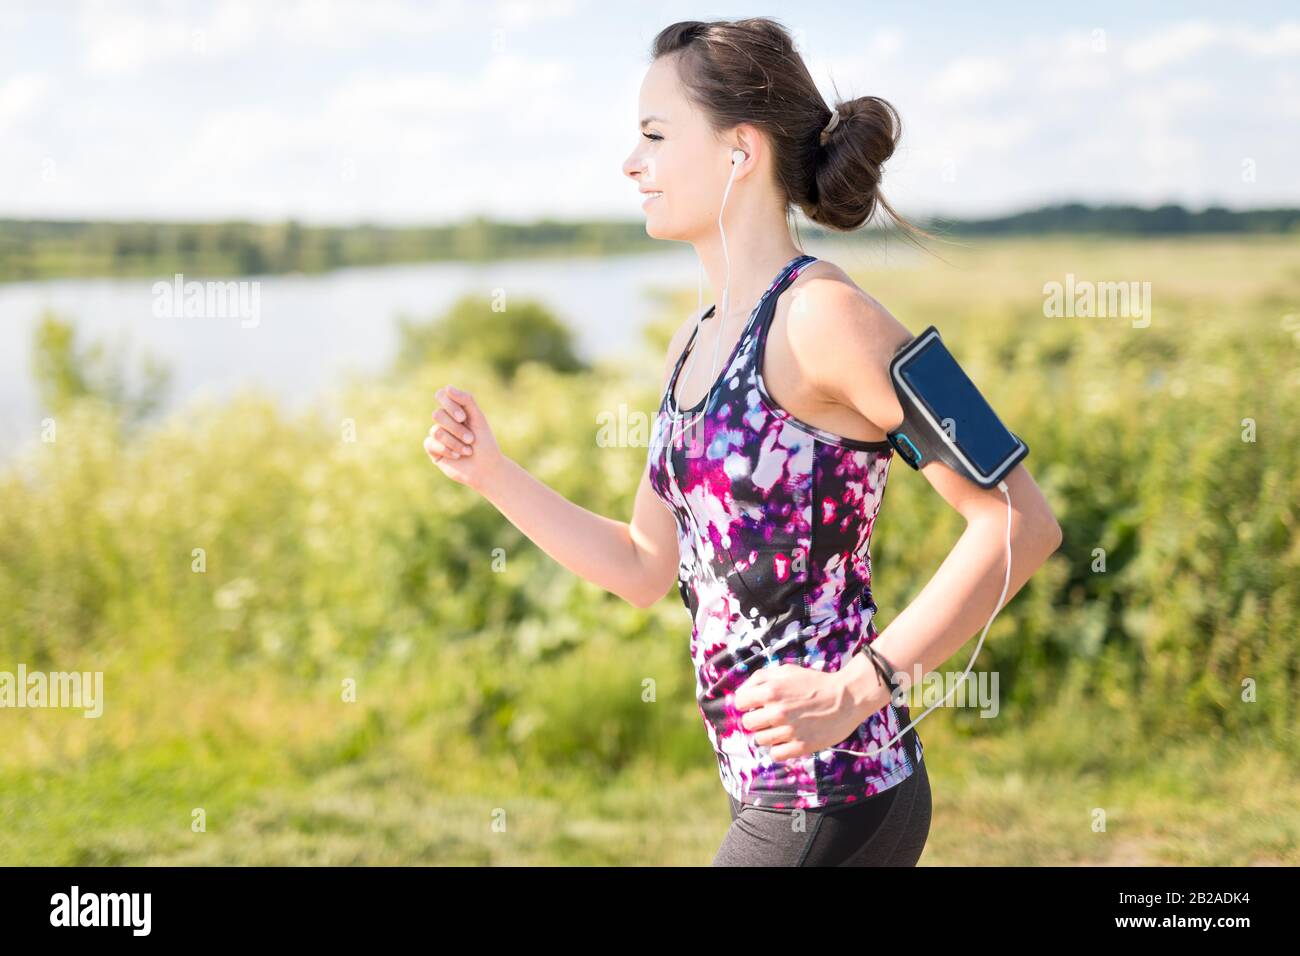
(41, 249)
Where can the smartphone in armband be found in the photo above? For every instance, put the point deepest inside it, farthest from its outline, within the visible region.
(945, 418)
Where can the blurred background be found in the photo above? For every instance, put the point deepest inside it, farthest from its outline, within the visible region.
(315, 648)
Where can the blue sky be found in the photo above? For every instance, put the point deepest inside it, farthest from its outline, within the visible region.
(428, 112)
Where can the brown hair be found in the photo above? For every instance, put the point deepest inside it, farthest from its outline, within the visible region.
(748, 71)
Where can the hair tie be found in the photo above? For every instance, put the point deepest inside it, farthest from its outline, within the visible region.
(834, 121)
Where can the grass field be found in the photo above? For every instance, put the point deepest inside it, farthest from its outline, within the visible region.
(284, 777)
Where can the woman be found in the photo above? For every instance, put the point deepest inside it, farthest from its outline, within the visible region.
(763, 481)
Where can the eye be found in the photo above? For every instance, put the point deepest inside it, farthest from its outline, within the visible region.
(652, 136)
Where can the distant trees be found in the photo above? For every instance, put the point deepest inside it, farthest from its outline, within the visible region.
(48, 249)
(1125, 220)
(45, 249)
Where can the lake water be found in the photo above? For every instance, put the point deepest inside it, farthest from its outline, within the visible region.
(311, 330)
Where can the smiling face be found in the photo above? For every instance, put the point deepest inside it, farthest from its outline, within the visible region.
(678, 154)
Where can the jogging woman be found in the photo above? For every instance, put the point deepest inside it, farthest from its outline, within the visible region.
(766, 469)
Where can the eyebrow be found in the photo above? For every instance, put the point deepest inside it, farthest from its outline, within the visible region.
(646, 121)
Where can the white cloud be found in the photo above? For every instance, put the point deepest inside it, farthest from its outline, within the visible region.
(404, 145)
(1282, 40)
(1070, 62)
(1170, 45)
(123, 42)
(1171, 155)
(119, 39)
(886, 44)
(1164, 101)
(1287, 86)
(971, 78)
(19, 98)
(1182, 41)
(860, 73)
(973, 139)
(522, 13)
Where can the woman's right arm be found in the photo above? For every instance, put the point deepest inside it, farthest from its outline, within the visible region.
(637, 559)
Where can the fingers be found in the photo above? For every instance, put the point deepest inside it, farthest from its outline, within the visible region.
(754, 692)
(447, 440)
(790, 751)
(460, 431)
(775, 736)
(436, 450)
(452, 399)
(761, 718)
(450, 436)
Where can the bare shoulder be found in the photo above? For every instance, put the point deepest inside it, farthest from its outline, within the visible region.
(827, 306)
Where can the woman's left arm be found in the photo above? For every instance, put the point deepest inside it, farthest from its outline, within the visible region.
(957, 602)
(796, 710)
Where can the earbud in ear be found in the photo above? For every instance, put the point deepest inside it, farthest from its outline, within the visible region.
(738, 156)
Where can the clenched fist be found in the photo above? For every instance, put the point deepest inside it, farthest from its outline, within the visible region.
(460, 441)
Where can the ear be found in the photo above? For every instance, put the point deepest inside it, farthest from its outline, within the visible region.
(746, 137)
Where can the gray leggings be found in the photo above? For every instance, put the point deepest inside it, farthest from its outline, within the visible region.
(885, 829)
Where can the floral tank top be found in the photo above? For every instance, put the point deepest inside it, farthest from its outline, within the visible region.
(774, 519)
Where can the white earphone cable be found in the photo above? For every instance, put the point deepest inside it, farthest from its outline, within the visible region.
(1006, 583)
(726, 288)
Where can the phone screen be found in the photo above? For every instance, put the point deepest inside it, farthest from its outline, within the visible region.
(952, 398)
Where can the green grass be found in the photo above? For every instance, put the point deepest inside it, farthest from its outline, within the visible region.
(296, 778)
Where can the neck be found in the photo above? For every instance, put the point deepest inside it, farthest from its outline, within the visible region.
(758, 245)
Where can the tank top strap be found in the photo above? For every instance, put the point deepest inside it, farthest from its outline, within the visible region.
(681, 359)
(763, 321)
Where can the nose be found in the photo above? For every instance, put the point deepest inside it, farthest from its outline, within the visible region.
(633, 167)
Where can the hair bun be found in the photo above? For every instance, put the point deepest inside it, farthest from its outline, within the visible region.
(846, 178)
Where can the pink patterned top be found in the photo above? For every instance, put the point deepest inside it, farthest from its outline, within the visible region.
(774, 519)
